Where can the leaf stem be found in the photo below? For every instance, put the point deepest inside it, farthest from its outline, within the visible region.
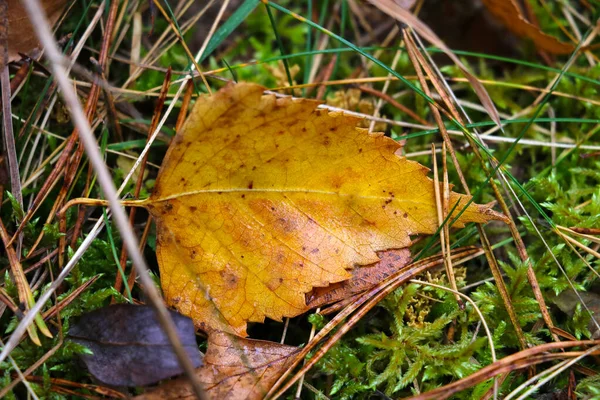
(102, 203)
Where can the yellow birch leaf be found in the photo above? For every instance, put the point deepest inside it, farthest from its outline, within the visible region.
(261, 199)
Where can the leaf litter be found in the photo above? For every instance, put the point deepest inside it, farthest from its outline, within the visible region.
(129, 347)
(235, 369)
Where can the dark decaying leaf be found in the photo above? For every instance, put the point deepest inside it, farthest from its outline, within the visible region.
(129, 346)
(363, 278)
(234, 368)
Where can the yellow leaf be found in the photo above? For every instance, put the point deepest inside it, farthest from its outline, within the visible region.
(260, 199)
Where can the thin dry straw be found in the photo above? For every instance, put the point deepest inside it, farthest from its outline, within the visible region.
(45, 36)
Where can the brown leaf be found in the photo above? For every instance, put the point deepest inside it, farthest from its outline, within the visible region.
(394, 10)
(509, 13)
(363, 278)
(21, 36)
(234, 369)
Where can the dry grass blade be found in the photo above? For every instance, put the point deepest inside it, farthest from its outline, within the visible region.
(522, 251)
(68, 146)
(21, 377)
(56, 309)
(22, 327)
(9, 137)
(185, 46)
(396, 11)
(477, 310)
(44, 34)
(393, 102)
(549, 374)
(32, 368)
(363, 304)
(421, 64)
(25, 296)
(138, 185)
(444, 232)
(520, 360)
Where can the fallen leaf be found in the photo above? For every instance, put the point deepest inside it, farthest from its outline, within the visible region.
(260, 199)
(21, 36)
(129, 346)
(234, 369)
(362, 279)
(405, 16)
(509, 13)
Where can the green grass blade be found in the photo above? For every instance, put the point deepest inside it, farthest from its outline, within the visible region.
(229, 26)
(280, 45)
(356, 49)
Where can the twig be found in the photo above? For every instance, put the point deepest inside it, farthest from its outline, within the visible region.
(138, 185)
(418, 63)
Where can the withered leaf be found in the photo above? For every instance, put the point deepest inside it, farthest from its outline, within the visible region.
(509, 13)
(234, 369)
(261, 199)
(129, 346)
(363, 278)
(21, 36)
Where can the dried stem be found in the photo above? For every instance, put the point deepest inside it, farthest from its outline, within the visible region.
(44, 34)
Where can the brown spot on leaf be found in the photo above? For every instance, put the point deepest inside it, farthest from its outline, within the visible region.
(287, 225)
